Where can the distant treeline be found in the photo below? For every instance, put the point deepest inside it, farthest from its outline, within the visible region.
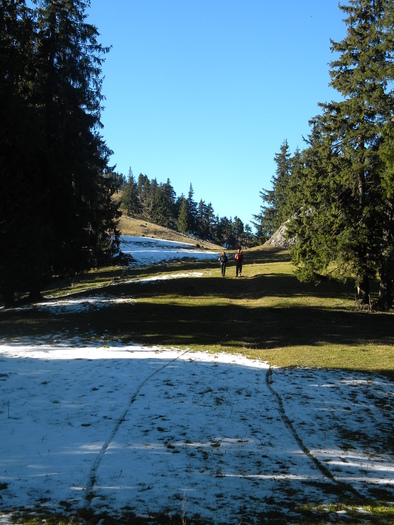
(157, 202)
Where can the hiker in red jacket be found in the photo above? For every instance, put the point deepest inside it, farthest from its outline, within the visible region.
(239, 257)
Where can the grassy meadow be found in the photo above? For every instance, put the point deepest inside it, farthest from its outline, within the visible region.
(266, 314)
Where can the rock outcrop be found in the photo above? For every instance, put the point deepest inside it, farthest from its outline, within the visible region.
(279, 240)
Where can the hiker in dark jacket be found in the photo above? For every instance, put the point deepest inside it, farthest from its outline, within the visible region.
(239, 258)
(223, 263)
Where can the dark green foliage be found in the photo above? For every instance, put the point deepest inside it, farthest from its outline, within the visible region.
(386, 152)
(338, 192)
(192, 212)
(279, 203)
(58, 216)
(361, 74)
(319, 226)
(163, 206)
(130, 198)
(206, 221)
(183, 216)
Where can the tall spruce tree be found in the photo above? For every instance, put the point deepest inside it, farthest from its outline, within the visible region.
(169, 204)
(386, 152)
(205, 218)
(77, 186)
(360, 74)
(130, 200)
(183, 216)
(275, 210)
(65, 185)
(239, 231)
(319, 225)
(350, 137)
(192, 211)
(19, 136)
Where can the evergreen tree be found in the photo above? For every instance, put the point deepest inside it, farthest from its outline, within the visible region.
(226, 233)
(210, 221)
(183, 216)
(386, 152)
(349, 133)
(248, 239)
(143, 186)
(275, 208)
(150, 189)
(204, 216)
(130, 200)
(169, 204)
(68, 88)
(118, 179)
(192, 212)
(158, 207)
(65, 184)
(357, 76)
(238, 228)
(319, 226)
(206, 222)
(19, 135)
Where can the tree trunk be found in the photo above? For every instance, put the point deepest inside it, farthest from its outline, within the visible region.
(35, 296)
(9, 299)
(385, 301)
(363, 290)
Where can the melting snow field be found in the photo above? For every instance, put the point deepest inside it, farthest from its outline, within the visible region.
(156, 430)
(146, 250)
(161, 430)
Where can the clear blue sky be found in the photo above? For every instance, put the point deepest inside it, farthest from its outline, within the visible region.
(206, 91)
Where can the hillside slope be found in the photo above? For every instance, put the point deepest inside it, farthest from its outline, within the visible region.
(142, 228)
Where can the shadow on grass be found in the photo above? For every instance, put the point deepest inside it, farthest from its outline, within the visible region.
(238, 326)
(180, 312)
(253, 288)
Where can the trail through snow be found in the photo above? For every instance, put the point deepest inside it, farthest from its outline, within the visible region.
(145, 429)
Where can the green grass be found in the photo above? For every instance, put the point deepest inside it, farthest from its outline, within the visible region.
(267, 314)
(340, 513)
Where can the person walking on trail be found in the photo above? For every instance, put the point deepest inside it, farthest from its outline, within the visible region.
(223, 263)
(239, 258)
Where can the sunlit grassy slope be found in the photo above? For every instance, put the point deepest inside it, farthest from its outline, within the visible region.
(142, 228)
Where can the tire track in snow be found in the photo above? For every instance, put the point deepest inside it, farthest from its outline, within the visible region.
(323, 469)
(96, 464)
